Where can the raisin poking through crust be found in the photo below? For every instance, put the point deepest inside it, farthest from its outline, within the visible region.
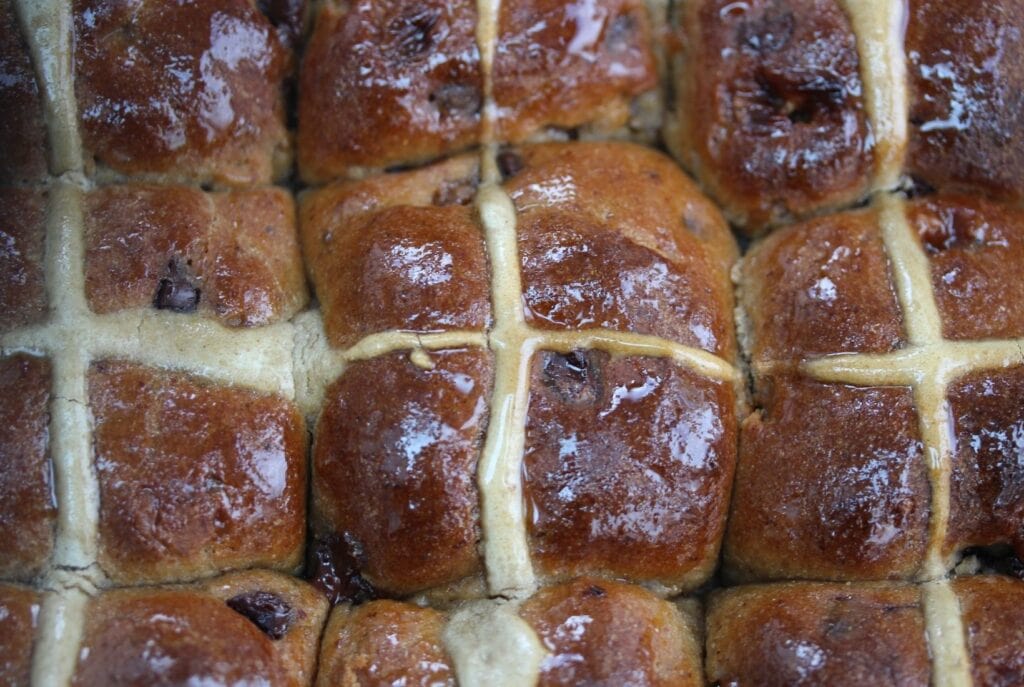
(509, 164)
(575, 376)
(269, 612)
(334, 570)
(176, 292)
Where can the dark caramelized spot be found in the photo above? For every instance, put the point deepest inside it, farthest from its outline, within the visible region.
(576, 375)
(414, 31)
(176, 291)
(510, 163)
(594, 591)
(456, 99)
(269, 612)
(333, 568)
(457, 191)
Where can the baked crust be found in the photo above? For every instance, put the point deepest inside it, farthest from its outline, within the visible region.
(19, 613)
(194, 478)
(28, 511)
(209, 632)
(231, 255)
(817, 634)
(770, 112)
(965, 70)
(189, 93)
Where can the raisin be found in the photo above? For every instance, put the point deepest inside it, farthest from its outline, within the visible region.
(269, 612)
(510, 163)
(414, 31)
(333, 568)
(594, 591)
(177, 291)
(575, 376)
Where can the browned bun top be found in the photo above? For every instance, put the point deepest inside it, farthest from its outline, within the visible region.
(396, 82)
(194, 477)
(394, 465)
(403, 251)
(614, 235)
(771, 109)
(19, 618)
(608, 633)
(189, 93)
(233, 255)
(248, 628)
(28, 511)
(23, 232)
(384, 643)
(965, 71)
(818, 634)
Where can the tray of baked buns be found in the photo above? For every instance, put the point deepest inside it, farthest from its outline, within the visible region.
(511, 342)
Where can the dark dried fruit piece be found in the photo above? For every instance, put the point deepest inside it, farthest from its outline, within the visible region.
(269, 612)
(414, 31)
(334, 569)
(594, 591)
(510, 163)
(176, 291)
(575, 376)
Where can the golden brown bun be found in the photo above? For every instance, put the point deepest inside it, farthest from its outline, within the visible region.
(414, 91)
(831, 484)
(628, 467)
(181, 93)
(246, 628)
(965, 71)
(987, 484)
(23, 231)
(28, 511)
(594, 632)
(820, 287)
(232, 255)
(397, 445)
(992, 611)
(388, 82)
(565, 66)
(770, 112)
(975, 249)
(384, 643)
(394, 466)
(22, 130)
(402, 251)
(19, 613)
(613, 235)
(607, 633)
(194, 478)
(817, 634)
